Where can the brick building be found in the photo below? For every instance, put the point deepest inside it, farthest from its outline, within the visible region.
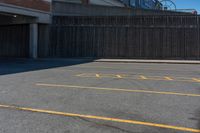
(20, 21)
(43, 5)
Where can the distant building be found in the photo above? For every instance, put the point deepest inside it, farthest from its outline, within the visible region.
(107, 2)
(117, 3)
(43, 5)
(28, 15)
(146, 4)
(26, 10)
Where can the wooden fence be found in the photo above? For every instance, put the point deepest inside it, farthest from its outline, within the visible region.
(14, 41)
(147, 37)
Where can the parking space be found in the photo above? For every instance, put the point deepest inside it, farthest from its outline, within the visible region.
(72, 96)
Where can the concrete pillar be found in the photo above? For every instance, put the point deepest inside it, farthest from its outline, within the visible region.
(33, 44)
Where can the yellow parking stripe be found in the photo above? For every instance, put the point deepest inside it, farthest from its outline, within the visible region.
(143, 77)
(119, 76)
(118, 89)
(80, 75)
(196, 80)
(97, 75)
(101, 118)
(168, 78)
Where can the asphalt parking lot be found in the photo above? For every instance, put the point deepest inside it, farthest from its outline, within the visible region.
(81, 96)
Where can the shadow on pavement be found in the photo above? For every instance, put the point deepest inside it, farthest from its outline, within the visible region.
(197, 118)
(11, 66)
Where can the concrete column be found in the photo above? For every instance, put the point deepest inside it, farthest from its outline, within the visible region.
(33, 44)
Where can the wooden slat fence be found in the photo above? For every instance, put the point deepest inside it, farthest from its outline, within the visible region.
(147, 37)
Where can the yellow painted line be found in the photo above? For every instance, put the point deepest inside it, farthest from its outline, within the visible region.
(168, 78)
(101, 118)
(143, 77)
(84, 75)
(118, 89)
(97, 75)
(196, 80)
(80, 75)
(164, 79)
(119, 76)
(101, 75)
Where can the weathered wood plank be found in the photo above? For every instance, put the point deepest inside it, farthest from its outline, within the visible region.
(155, 37)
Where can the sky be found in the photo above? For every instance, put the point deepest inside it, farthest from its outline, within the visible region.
(188, 4)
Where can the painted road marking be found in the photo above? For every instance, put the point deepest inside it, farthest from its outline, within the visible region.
(88, 75)
(135, 122)
(196, 80)
(143, 77)
(119, 76)
(93, 75)
(168, 78)
(140, 77)
(97, 75)
(118, 89)
(80, 75)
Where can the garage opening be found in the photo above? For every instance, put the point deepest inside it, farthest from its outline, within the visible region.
(14, 36)
(14, 41)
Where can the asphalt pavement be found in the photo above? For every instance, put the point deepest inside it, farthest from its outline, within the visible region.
(82, 96)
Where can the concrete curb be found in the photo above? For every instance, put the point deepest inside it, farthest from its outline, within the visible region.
(149, 61)
(197, 62)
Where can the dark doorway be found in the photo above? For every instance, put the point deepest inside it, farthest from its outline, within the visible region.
(14, 41)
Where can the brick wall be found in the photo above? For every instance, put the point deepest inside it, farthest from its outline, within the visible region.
(34, 4)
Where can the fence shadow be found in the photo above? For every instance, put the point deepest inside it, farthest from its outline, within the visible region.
(12, 66)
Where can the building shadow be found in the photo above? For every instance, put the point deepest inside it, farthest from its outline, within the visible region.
(12, 66)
